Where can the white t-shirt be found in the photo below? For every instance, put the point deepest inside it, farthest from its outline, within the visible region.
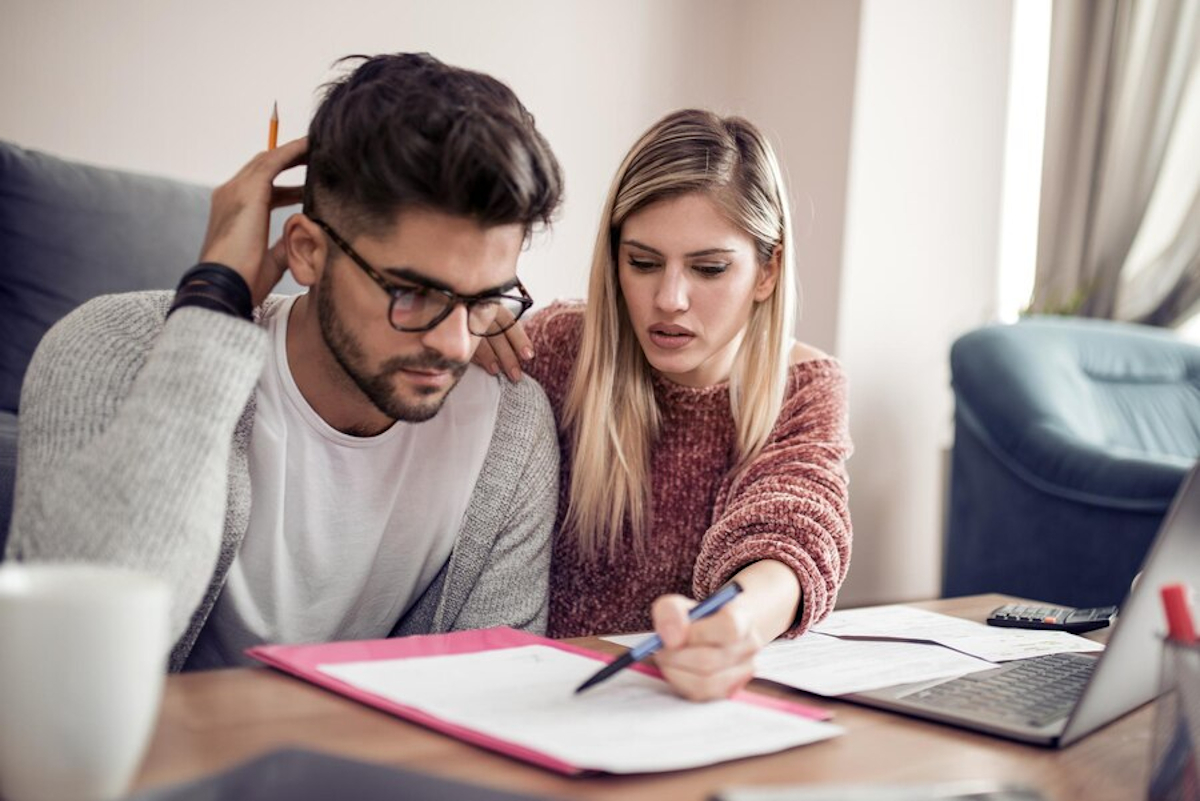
(345, 532)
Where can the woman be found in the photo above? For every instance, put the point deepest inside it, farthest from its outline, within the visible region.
(699, 442)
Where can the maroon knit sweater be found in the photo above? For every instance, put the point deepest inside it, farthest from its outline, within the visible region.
(791, 506)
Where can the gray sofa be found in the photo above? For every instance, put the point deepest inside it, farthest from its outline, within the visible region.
(70, 232)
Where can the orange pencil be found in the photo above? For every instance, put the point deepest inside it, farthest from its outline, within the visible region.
(273, 133)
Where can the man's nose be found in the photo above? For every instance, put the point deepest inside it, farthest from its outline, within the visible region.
(451, 338)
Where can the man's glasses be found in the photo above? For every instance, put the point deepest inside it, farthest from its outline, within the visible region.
(419, 307)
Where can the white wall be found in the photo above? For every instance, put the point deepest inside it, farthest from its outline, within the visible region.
(888, 117)
(920, 266)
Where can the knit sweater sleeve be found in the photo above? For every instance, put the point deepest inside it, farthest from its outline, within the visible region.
(126, 428)
(791, 503)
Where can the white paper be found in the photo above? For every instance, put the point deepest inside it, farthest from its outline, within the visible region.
(831, 666)
(993, 643)
(818, 663)
(632, 723)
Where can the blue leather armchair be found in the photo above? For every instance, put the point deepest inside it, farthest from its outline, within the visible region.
(1071, 437)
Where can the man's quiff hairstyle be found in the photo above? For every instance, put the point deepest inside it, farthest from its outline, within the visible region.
(407, 131)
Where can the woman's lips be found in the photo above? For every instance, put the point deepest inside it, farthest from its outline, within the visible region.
(671, 337)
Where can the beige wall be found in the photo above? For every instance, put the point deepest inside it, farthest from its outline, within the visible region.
(888, 117)
(797, 81)
(185, 89)
(920, 266)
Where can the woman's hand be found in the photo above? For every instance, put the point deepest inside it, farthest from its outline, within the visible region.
(706, 659)
(501, 352)
(713, 657)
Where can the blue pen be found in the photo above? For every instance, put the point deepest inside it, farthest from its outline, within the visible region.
(653, 643)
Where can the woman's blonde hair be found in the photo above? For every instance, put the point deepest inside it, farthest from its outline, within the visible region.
(610, 412)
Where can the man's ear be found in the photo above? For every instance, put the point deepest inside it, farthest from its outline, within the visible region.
(768, 275)
(305, 245)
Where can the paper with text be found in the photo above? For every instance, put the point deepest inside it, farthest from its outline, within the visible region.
(818, 663)
(631, 723)
(995, 644)
(830, 666)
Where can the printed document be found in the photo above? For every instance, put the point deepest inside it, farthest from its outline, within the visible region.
(995, 644)
(632, 723)
(818, 663)
(857, 650)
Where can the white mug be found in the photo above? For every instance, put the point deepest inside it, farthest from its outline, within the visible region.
(83, 654)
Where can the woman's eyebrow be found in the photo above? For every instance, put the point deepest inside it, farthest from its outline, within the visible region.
(692, 255)
(636, 244)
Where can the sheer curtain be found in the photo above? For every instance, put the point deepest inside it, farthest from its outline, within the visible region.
(1119, 227)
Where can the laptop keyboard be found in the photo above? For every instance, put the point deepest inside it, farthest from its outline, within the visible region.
(1033, 692)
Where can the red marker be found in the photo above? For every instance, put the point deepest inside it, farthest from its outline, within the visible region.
(1178, 606)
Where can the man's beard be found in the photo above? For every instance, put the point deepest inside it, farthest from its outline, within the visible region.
(378, 387)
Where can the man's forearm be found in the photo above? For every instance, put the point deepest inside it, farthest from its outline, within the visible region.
(125, 447)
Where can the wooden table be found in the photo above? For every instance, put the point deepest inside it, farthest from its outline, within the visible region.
(213, 720)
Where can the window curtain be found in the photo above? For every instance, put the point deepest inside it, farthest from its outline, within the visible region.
(1119, 225)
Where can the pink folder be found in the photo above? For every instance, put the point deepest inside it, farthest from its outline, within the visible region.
(302, 661)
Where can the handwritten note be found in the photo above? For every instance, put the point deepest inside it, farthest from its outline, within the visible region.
(632, 723)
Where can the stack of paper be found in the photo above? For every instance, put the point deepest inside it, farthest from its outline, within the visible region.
(881, 646)
(898, 622)
(818, 663)
(633, 723)
(515, 693)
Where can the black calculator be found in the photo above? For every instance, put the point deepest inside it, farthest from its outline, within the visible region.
(1057, 618)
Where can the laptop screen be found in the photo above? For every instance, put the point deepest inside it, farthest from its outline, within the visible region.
(1127, 675)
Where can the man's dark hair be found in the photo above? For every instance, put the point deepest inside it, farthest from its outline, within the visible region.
(406, 130)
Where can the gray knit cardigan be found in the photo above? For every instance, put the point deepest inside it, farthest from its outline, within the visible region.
(133, 451)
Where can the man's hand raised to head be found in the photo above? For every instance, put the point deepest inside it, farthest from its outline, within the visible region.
(240, 218)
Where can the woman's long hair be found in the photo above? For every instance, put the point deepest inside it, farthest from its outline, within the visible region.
(610, 412)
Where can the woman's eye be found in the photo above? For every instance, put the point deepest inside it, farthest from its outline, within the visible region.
(710, 269)
(642, 264)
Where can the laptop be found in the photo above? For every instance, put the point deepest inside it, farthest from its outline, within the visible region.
(1058, 699)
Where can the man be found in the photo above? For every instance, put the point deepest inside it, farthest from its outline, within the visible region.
(331, 468)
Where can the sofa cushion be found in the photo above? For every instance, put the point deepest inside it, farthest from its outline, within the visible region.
(69, 232)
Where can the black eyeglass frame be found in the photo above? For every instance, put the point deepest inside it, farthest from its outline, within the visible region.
(395, 291)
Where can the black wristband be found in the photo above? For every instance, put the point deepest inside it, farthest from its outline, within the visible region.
(214, 286)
